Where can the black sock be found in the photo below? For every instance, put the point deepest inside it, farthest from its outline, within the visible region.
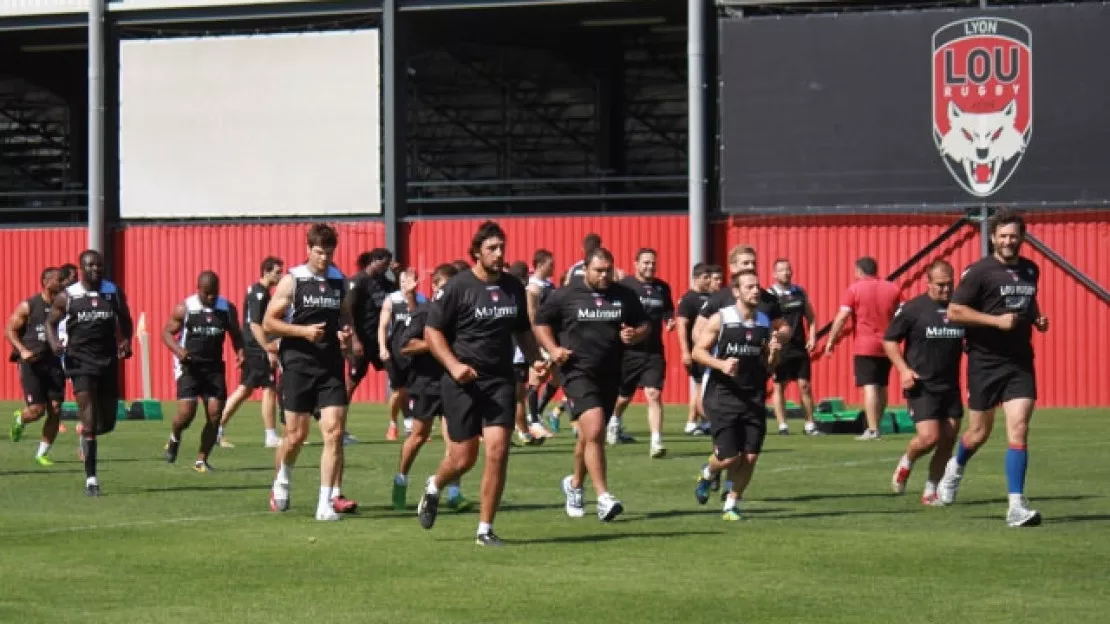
(90, 457)
(548, 394)
(533, 404)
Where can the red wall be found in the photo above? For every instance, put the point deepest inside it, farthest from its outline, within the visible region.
(434, 242)
(1070, 367)
(24, 254)
(158, 265)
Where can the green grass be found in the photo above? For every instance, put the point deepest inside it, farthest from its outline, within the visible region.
(825, 540)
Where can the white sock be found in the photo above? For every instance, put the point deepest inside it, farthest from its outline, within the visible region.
(325, 496)
(271, 434)
(657, 439)
(91, 481)
(930, 488)
(730, 503)
(615, 422)
(1017, 500)
(219, 433)
(44, 448)
(284, 473)
(784, 427)
(431, 488)
(173, 438)
(336, 492)
(905, 463)
(484, 528)
(690, 427)
(401, 479)
(707, 473)
(810, 426)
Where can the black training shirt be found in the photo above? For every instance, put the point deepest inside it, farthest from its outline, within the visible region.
(933, 344)
(255, 303)
(688, 307)
(768, 303)
(994, 288)
(655, 298)
(588, 322)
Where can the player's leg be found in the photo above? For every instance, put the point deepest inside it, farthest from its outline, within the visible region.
(455, 498)
(693, 414)
(298, 401)
(213, 408)
(333, 419)
(464, 426)
(423, 417)
(805, 389)
(233, 403)
(84, 390)
(520, 412)
(928, 427)
(867, 379)
(653, 394)
(1018, 401)
(188, 393)
(727, 436)
(778, 402)
(34, 393)
(946, 441)
(50, 428)
(269, 417)
(633, 366)
(753, 430)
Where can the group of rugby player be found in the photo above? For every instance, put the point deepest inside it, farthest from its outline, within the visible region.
(479, 351)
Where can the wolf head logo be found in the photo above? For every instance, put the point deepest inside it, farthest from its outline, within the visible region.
(982, 100)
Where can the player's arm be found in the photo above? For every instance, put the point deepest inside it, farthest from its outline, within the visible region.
(811, 322)
(172, 329)
(668, 310)
(348, 341)
(707, 310)
(703, 344)
(383, 328)
(414, 343)
(547, 318)
(967, 297)
(637, 324)
(15, 327)
(55, 316)
(774, 352)
(682, 325)
(443, 313)
(532, 295)
(236, 332)
(841, 319)
(124, 320)
(273, 321)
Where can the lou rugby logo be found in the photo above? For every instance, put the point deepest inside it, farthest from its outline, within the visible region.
(982, 100)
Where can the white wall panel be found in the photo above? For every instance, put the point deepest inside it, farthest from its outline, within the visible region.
(269, 125)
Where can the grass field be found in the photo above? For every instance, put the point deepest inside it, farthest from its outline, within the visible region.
(825, 541)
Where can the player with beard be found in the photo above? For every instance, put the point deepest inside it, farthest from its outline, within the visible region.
(310, 314)
(739, 349)
(40, 371)
(644, 365)
(369, 291)
(539, 289)
(688, 307)
(422, 374)
(930, 375)
(586, 328)
(794, 363)
(98, 333)
(470, 330)
(260, 357)
(395, 313)
(195, 335)
(996, 301)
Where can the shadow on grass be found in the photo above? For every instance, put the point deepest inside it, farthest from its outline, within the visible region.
(805, 498)
(1003, 501)
(708, 510)
(705, 452)
(594, 538)
(200, 488)
(1086, 518)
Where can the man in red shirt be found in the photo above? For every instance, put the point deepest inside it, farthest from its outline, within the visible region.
(872, 302)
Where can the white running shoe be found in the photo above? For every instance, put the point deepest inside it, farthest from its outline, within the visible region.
(272, 443)
(613, 433)
(1022, 516)
(949, 484)
(869, 434)
(576, 506)
(658, 451)
(349, 439)
(608, 507)
(898, 481)
(327, 514)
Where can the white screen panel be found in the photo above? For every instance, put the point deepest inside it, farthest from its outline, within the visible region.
(269, 125)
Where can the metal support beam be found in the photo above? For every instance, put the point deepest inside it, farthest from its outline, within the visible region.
(394, 124)
(96, 124)
(698, 128)
(611, 110)
(1069, 268)
(984, 231)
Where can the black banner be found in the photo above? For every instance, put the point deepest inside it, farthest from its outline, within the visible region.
(916, 110)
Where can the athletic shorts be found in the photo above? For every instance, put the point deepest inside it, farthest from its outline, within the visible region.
(696, 371)
(486, 402)
(306, 390)
(256, 371)
(925, 405)
(425, 407)
(987, 387)
(202, 381)
(360, 364)
(736, 429)
(43, 381)
(642, 370)
(585, 392)
(792, 368)
(871, 370)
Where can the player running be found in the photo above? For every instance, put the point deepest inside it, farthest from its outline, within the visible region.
(794, 363)
(369, 291)
(538, 289)
(259, 357)
(310, 314)
(40, 371)
(524, 377)
(422, 374)
(930, 376)
(393, 318)
(997, 301)
(644, 365)
(470, 329)
(739, 349)
(98, 333)
(586, 328)
(195, 334)
(688, 306)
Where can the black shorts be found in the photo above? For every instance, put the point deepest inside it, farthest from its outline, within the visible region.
(43, 381)
(925, 405)
(487, 402)
(793, 367)
(987, 387)
(358, 365)
(104, 381)
(871, 370)
(696, 372)
(202, 381)
(306, 390)
(642, 370)
(256, 372)
(585, 393)
(425, 407)
(736, 429)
